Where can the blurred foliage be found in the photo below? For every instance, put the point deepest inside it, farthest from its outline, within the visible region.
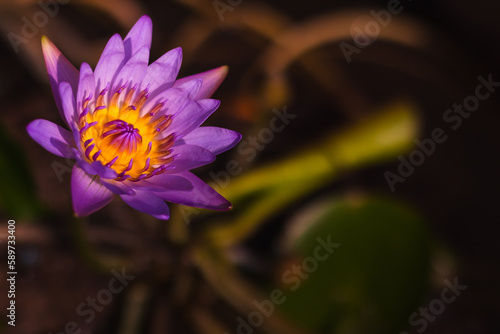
(17, 193)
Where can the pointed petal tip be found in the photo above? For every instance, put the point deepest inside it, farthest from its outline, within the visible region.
(218, 74)
(85, 67)
(46, 42)
(145, 19)
(49, 48)
(223, 71)
(80, 214)
(238, 136)
(178, 53)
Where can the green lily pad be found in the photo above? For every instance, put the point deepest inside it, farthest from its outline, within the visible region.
(358, 266)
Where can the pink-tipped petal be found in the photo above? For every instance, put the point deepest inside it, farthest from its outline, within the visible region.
(201, 195)
(52, 137)
(68, 103)
(161, 74)
(214, 139)
(211, 81)
(149, 203)
(140, 35)
(59, 69)
(86, 86)
(111, 61)
(87, 193)
(189, 157)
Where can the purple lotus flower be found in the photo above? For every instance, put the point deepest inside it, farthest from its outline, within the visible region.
(135, 129)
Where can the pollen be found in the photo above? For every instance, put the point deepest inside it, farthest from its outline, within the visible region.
(123, 136)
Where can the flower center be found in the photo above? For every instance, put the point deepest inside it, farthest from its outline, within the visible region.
(121, 136)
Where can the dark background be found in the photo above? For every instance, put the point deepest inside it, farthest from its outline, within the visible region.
(456, 190)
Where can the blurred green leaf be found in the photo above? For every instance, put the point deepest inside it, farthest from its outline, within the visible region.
(17, 193)
(385, 134)
(382, 136)
(371, 282)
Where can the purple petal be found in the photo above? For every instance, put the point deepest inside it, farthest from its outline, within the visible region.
(118, 187)
(162, 182)
(68, 102)
(95, 167)
(76, 139)
(52, 137)
(192, 116)
(192, 87)
(175, 99)
(111, 60)
(84, 165)
(86, 86)
(200, 196)
(149, 203)
(139, 36)
(87, 193)
(134, 70)
(216, 140)
(103, 171)
(161, 74)
(59, 70)
(189, 157)
(211, 81)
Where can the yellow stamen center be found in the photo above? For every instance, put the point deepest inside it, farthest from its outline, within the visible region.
(120, 136)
